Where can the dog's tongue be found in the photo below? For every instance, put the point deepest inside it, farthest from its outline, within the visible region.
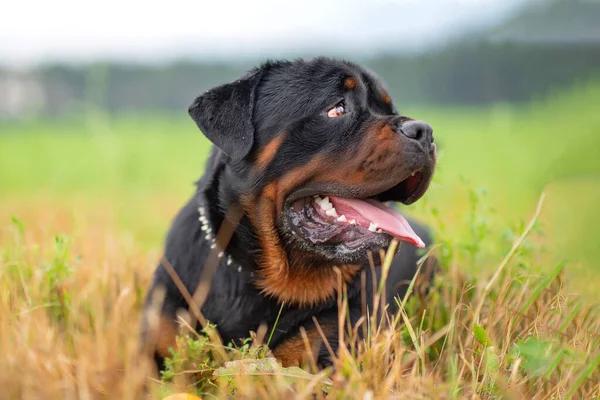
(387, 219)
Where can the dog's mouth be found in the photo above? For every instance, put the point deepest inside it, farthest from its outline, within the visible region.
(348, 224)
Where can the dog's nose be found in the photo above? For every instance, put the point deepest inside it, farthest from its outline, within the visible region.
(418, 130)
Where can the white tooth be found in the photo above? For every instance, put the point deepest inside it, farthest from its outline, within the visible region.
(372, 227)
(331, 212)
(342, 218)
(379, 231)
(413, 174)
(322, 202)
(353, 222)
(326, 206)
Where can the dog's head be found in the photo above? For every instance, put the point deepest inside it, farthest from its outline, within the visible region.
(313, 149)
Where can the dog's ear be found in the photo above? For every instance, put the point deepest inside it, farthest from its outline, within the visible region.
(224, 114)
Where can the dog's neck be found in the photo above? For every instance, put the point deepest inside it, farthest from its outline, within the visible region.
(214, 200)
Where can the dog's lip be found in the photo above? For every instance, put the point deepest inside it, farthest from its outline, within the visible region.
(334, 189)
(420, 190)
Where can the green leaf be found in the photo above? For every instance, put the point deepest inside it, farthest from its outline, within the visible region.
(481, 335)
(537, 355)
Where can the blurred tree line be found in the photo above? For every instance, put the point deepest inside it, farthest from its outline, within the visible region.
(548, 45)
(466, 74)
(488, 73)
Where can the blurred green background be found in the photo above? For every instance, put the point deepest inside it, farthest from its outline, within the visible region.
(514, 105)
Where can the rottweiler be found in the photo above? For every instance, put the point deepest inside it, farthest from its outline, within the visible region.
(295, 196)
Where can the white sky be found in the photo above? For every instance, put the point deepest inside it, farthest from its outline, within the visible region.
(33, 31)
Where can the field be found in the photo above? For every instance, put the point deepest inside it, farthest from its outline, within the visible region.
(85, 203)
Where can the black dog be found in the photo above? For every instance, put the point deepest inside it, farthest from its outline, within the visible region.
(305, 154)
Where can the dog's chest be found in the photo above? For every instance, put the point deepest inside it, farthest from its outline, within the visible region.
(236, 306)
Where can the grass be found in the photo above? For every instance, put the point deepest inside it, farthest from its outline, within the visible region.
(85, 204)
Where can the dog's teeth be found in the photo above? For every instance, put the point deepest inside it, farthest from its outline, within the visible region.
(324, 202)
(331, 212)
(342, 218)
(326, 206)
(413, 174)
(379, 231)
(353, 222)
(372, 227)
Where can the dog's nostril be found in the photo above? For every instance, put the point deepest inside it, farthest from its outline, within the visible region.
(418, 133)
(417, 130)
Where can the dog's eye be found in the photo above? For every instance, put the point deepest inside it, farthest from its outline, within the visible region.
(337, 111)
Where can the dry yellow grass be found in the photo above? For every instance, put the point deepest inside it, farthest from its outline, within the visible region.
(72, 283)
(71, 287)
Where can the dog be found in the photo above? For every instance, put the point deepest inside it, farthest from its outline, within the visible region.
(290, 205)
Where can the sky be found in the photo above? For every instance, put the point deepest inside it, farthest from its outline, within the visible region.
(38, 31)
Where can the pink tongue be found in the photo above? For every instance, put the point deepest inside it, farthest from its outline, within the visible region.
(387, 219)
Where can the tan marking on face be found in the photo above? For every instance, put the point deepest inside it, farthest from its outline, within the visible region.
(386, 98)
(350, 82)
(267, 154)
